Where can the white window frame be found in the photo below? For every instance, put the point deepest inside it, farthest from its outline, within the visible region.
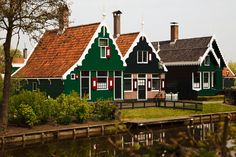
(155, 78)
(106, 77)
(205, 61)
(101, 47)
(213, 79)
(34, 84)
(200, 81)
(142, 62)
(89, 77)
(72, 76)
(131, 78)
(208, 84)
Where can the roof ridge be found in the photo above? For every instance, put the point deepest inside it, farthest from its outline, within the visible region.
(184, 48)
(184, 39)
(130, 33)
(72, 27)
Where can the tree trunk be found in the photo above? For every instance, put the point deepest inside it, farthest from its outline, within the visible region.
(7, 79)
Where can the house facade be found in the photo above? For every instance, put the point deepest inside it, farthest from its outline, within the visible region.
(228, 78)
(84, 59)
(144, 76)
(194, 65)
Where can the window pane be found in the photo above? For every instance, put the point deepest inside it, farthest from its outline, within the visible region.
(206, 77)
(85, 73)
(127, 75)
(142, 75)
(102, 83)
(103, 42)
(117, 73)
(103, 52)
(139, 56)
(197, 77)
(128, 84)
(155, 75)
(144, 56)
(102, 73)
(155, 84)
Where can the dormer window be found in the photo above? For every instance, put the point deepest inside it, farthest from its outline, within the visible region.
(207, 61)
(103, 44)
(142, 57)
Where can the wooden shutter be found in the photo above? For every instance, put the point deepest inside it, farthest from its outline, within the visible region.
(149, 84)
(94, 83)
(110, 83)
(135, 84)
(108, 52)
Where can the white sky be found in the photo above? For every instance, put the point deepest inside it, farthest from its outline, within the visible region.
(196, 18)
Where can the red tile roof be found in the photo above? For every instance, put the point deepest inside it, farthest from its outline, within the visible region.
(226, 72)
(56, 53)
(125, 41)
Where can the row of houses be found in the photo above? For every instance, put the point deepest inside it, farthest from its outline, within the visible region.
(91, 61)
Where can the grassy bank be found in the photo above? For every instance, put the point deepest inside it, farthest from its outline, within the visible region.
(153, 113)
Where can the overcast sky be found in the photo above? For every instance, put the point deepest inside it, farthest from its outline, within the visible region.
(196, 18)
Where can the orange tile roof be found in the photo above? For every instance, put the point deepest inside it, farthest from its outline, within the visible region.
(125, 41)
(226, 72)
(18, 60)
(55, 53)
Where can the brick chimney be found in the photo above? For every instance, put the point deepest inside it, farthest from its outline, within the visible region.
(174, 31)
(116, 16)
(25, 53)
(63, 18)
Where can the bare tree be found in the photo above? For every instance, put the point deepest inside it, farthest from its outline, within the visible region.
(31, 17)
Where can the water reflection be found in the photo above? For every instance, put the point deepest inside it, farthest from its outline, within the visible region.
(141, 140)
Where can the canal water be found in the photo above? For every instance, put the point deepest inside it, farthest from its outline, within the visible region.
(145, 141)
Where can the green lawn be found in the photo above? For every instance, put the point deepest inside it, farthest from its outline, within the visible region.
(153, 113)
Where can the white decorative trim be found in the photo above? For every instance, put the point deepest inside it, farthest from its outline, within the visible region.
(95, 35)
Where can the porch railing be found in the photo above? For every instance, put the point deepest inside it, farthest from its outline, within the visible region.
(185, 105)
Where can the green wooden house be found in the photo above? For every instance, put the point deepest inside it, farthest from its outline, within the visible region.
(194, 65)
(84, 59)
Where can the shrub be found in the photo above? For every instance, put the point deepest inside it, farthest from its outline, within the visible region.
(64, 118)
(104, 110)
(26, 116)
(84, 111)
(36, 100)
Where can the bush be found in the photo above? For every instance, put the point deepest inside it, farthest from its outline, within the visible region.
(84, 111)
(64, 118)
(26, 116)
(230, 96)
(36, 100)
(104, 110)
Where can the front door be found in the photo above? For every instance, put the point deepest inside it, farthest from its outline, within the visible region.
(141, 89)
(118, 85)
(85, 80)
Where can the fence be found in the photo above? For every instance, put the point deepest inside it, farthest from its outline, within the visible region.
(185, 105)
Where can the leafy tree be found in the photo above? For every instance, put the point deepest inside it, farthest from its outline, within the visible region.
(31, 17)
(232, 66)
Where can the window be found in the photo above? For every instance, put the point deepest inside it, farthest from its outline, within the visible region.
(102, 80)
(155, 82)
(141, 75)
(85, 73)
(103, 43)
(213, 79)
(206, 80)
(142, 57)
(207, 61)
(72, 76)
(196, 80)
(34, 86)
(128, 82)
